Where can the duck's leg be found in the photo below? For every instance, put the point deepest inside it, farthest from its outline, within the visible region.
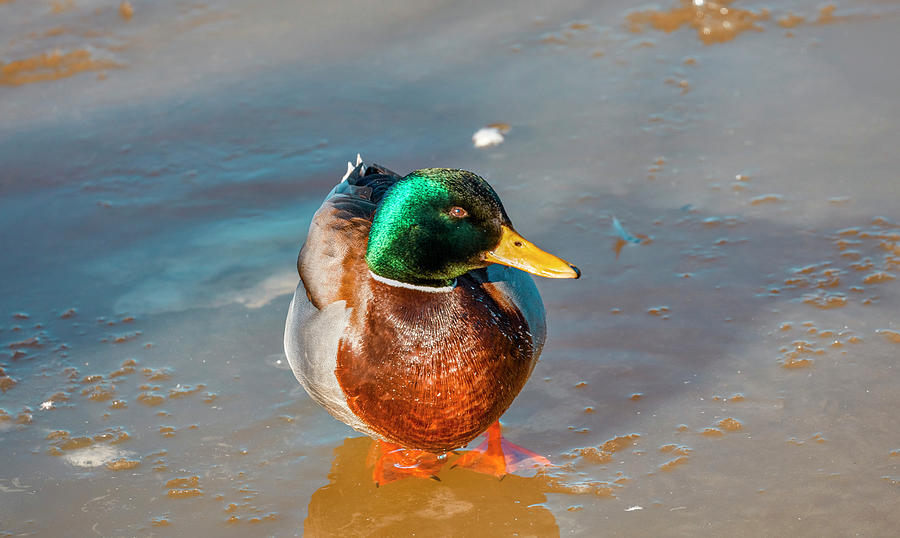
(498, 457)
(393, 462)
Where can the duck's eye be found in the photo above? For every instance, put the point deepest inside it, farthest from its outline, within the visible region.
(458, 212)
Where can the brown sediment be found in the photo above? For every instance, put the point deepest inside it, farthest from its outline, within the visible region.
(160, 374)
(892, 336)
(877, 278)
(714, 22)
(603, 453)
(713, 432)
(51, 66)
(594, 455)
(817, 438)
(182, 493)
(74, 443)
(127, 337)
(552, 39)
(619, 442)
(99, 393)
(114, 436)
(671, 464)
(125, 370)
(122, 464)
(59, 7)
(187, 482)
(790, 21)
(31, 342)
(730, 424)
(766, 199)
(150, 399)
(826, 15)
(675, 449)
(825, 300)
(796, 355)
(184, 487)
(556, 484)
(126, 11)
(6, 382)
(161, 522)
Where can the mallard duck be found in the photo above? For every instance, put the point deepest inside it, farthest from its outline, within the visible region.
(414, 322)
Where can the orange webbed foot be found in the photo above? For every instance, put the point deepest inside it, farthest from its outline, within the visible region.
(499, 457)
(393, 462)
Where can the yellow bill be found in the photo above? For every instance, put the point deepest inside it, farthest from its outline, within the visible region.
(516, 251)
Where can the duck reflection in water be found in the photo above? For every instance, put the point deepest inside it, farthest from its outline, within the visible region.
(463, 503)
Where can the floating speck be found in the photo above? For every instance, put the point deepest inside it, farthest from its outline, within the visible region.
(490, 135)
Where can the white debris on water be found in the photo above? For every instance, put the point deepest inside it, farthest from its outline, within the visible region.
(487, 137)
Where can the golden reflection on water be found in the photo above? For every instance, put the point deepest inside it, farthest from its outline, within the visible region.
(462, 503)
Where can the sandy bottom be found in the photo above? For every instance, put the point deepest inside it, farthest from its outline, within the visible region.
(724, 174)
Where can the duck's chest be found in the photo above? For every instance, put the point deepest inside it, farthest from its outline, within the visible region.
(433, 370)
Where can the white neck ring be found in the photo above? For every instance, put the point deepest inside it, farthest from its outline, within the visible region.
(398, 284)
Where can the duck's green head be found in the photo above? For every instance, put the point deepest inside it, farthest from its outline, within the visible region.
(439, 223)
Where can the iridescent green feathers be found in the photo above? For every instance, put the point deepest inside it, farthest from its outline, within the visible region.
(434, 225)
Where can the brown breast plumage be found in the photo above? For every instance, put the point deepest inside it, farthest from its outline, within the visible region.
(433, 370)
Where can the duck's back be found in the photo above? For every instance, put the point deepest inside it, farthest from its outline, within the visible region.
(334, 250)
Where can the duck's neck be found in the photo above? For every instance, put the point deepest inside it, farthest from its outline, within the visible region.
(394, 269)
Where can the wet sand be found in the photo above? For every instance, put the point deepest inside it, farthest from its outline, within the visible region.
(724, 367)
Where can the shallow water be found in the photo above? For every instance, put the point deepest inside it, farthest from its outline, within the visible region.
(730, 374)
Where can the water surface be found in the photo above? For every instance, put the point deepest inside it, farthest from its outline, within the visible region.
(726, 181)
